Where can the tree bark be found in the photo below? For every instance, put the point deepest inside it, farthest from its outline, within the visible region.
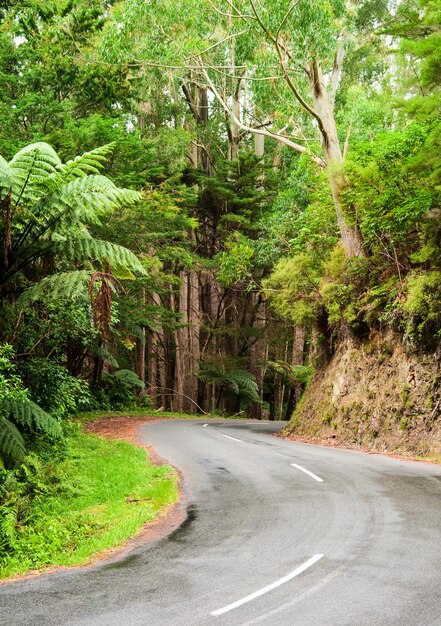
(140, 348)
(350, 233)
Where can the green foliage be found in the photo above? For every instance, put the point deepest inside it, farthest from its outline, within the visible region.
(21, 420)
(62, 512)
(293, 289)
(293, 374)
(389, 197)
(235, 262)
(236, 381)
(45, 205)
(54, 389)
(119, 388)
(423, 306)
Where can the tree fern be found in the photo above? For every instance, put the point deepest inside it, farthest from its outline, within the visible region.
(292, 373)
(67, 285)
(88, 163)
(237, 381)
(51, 206)
(88, 248)
(243, 384)
(12, 446)
(93, 195)
(31, 417)
(31, 167)
(127, 376)
(106, 356)
(6, 177)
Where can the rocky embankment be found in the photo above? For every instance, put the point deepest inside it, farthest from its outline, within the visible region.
(376, 396)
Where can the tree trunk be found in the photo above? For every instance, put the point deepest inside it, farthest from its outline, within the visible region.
(234, 131)
(140, 351)
(298, 349)
(350, 233)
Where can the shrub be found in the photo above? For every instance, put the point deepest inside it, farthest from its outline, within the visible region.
(54, 389)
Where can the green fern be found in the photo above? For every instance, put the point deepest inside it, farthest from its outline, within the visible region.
(28, 415)
(6, 177)
(91, 196)
(51, 206)
(12, 446)
(292, 373)
(87, 163)
(237, 381)
(31, 167)
(106, 356)
(65, 285)
(88, 248)
(127, 376)
(136, 331)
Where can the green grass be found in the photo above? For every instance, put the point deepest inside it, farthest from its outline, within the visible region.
(107, 491)
(93, 416)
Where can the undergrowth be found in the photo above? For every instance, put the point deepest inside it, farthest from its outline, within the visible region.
(61, 514)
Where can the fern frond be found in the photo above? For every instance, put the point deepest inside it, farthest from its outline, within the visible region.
(136, 331)
(62, 286)
(127, 376)
(12, 447)
(292, 373)
(88, 248)
(32, 417)
(31, 167)
(243, 384)
(88, 163)
(94, 195)
(104, 354)
(239, 382)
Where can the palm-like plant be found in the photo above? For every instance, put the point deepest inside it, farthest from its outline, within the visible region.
(45, 209)
(46, 250)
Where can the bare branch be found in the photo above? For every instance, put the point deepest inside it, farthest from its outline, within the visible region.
(237, 15)
(287, 14)
(259, 131)
(286, 74)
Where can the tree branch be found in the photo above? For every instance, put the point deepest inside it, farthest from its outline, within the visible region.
(259, 131)
(285, 71)
(337, 69)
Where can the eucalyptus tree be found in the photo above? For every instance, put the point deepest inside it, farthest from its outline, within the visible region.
(275, 69)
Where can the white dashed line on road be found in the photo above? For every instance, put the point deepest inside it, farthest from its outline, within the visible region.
(233, 438)
(277, 583)
(302, 469)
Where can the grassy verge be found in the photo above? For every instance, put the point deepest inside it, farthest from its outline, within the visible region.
(93, 416)
(103, 493)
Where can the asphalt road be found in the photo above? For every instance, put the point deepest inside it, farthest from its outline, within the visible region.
(354, 542)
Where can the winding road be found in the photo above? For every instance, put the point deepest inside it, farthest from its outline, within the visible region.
(278, 533)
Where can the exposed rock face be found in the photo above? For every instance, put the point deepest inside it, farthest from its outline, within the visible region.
(376, 395)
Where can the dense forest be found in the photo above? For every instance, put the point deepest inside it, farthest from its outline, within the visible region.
(202, 205)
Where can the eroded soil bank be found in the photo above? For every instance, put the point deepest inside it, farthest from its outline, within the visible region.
(376, 396)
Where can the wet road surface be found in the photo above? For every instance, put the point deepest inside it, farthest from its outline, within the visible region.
(277, 533)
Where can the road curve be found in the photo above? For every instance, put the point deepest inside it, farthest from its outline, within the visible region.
(278, 533)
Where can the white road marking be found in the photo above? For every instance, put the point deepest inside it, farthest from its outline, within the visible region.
(302, 469)
(261, 592)
(233, 438)
(204, 425)
(288, 605)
